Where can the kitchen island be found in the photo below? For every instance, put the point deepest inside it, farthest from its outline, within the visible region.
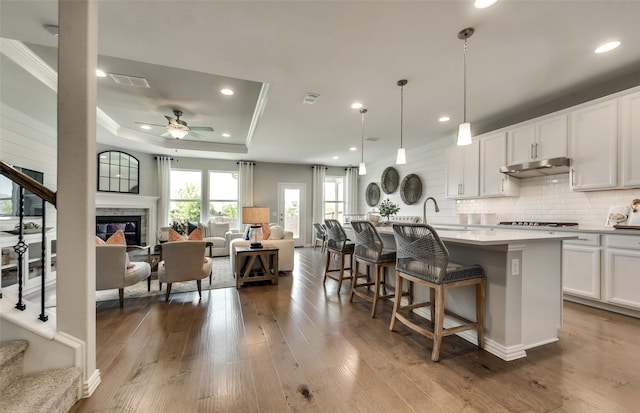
(523, 287)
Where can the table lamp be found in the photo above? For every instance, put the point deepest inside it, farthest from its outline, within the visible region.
(255, 216)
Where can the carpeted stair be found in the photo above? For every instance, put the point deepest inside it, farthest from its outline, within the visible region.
(54, 390)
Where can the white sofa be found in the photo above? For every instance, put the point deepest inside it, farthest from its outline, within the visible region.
(284, 244)
(220, 235)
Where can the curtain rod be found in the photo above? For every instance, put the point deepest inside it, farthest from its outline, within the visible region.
(170, 158)
(251, 162)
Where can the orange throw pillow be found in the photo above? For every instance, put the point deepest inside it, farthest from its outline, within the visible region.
(117, 238)
(196, 235)
(266, 231)
(175, 236)
(99, 241)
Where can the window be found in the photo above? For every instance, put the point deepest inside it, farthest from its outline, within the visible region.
(186, 195)
(334, 198)
(223, 197)
(118, 172)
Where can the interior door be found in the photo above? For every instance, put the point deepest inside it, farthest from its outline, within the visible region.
(291, 211)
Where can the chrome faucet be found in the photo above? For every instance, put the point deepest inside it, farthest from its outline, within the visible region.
(424, 208)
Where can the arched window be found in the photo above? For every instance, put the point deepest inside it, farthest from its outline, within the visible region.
(118, 172)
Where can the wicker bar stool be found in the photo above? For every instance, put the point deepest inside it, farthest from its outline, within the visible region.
(338, 245)
(423, 259)
(320, 236)
(370, 251)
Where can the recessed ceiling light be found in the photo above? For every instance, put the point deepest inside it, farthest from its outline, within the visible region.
(335, 157)
(444, 119)
(226, 135)
(356, 105)
(483, 4)
(353, 148)
(227, 92)
(607, 47)
(145, 127)
(100, 73)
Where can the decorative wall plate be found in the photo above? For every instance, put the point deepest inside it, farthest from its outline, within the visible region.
(373, 194)
(390, 180)
(411, 189)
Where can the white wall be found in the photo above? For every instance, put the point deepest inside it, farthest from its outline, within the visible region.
(28, 143)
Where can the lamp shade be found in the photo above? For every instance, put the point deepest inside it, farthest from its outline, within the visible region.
(178, 132)
(362, 169)
(255, 215)
(401, 157)
(464, 134)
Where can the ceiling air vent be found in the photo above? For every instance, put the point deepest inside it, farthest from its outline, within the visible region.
(129, 80)
(310, 98)
(372, 139)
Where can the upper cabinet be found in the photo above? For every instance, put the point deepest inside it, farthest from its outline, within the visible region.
(493, 155)
(542, 139)
(462, 166)
(630, 141)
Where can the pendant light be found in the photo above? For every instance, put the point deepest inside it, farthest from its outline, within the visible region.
(401, 157)
(362, 168)
(464, 130)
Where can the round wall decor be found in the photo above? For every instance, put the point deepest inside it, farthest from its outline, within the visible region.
(390, 180)
(411, 189)
(373, 194)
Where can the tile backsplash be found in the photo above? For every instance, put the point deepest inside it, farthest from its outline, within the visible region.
(549, 198)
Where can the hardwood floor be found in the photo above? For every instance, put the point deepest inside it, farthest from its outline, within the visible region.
(297, 346)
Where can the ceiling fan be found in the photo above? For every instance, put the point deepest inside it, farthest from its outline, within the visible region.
(178, 128)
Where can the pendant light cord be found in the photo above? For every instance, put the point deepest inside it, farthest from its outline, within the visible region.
(464, 115)
(401, 111)
(363, 111)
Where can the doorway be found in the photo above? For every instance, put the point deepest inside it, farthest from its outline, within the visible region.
(291, 211)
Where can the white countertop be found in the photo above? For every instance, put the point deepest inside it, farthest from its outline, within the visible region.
(498, 236)
(595, 229)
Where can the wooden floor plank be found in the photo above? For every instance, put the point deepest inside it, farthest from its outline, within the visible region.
(299, 346)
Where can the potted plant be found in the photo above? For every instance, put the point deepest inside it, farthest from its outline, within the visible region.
(388, 208)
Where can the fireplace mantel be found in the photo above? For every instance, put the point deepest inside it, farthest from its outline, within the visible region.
(150, 203)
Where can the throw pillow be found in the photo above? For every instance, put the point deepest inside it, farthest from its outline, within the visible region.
(191, 226)
(195, 235)
(266, 231)
(277, 232)
(175, 235)
(117, 238)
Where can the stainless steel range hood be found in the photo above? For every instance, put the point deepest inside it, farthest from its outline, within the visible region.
(538, 168)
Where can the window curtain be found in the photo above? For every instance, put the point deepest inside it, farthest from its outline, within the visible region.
(351, 191)
(317, 195)
(164, 191)
(245, 187)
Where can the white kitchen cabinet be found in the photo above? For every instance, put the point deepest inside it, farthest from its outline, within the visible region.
(622, 271)
(462, 166)
(594, 146)
(630, 141)
(581, 266)
(493, 155)
(546, 138)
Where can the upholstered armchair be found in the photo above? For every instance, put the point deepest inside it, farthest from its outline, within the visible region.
(220, 236)
(112, 271)
(183, 261)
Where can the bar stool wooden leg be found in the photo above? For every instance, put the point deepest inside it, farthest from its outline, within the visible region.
(396, 303)
(432, 304)
(341, 272)
(354, 280)
(438, 324)
(326, 266)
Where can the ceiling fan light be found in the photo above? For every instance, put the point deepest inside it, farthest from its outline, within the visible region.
(178, 133)
(401, 157)
(464, 134)
(362, 169)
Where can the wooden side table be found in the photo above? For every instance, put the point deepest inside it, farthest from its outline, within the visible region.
(256, 264)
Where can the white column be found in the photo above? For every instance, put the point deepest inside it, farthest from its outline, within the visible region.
(77, 60)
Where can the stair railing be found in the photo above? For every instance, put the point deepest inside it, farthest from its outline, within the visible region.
(25, 182)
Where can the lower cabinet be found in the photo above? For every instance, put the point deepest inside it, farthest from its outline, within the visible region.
(603, 270)
(622, 271)
(581, 266)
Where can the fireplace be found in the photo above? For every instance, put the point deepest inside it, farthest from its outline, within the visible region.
(130, 224)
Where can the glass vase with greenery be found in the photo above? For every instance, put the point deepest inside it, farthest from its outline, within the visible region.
(388, 208)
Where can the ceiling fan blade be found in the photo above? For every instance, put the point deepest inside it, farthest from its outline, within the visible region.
(166, 134)
(194, 135)
(171, 120)
(202, 128)
(150, 124)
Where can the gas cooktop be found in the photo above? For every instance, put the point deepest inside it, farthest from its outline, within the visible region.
(539, 224)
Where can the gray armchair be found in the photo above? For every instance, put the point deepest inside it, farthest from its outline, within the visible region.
(183, 261)
(112, 271)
